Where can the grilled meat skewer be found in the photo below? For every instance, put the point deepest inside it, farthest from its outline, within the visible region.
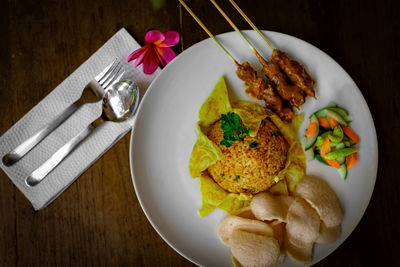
(257, 88)
(295, 71)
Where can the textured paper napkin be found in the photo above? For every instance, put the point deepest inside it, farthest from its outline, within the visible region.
(119, 46)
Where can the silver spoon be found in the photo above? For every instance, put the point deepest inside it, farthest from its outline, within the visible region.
(119, 104)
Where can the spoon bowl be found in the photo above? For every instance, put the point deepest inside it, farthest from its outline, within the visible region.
(121, 100)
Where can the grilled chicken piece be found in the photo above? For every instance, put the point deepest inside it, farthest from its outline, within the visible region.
(246, 72)
(295, 71)
(256, 87)
(286, 113)
(291, 93)
(274, 102)
(258, 90)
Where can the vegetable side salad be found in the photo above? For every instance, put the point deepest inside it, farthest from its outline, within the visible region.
(330, 139)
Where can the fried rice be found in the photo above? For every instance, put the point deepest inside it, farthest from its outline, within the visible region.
(249, 165)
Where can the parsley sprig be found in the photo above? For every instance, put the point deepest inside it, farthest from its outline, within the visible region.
(233, 128)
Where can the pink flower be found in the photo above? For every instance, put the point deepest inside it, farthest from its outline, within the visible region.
(157, 49)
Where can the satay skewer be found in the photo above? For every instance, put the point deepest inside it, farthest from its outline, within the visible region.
(252, 24)
(238, 31)
(233, 25)
(294, 70)
(256, 85)
(208, 32)
(271, 69)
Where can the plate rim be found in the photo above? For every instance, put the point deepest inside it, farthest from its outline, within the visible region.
(375, 167)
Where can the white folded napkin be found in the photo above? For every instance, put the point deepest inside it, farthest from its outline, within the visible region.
(119, 46)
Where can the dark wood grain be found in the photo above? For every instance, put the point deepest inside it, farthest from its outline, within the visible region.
(98, 220)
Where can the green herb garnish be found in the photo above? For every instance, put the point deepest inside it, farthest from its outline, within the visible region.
(237, 177)
(233, 128)
(223, 176)
(254, 144)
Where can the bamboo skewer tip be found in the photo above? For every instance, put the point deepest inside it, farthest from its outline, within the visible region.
(251, 24)
(208, 32)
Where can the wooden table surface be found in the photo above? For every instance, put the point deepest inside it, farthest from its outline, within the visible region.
(98, 220)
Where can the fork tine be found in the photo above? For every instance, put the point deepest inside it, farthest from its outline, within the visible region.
(119, 77)
(106, 71)
(109, 72)
(111, 77)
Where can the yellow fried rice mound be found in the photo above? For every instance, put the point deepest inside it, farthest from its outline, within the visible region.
(244, 169)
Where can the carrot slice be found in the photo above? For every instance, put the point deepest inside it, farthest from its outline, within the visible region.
(325, 147)
(312, 129)
(332, 122)
(351, 134)
(351, 160)
(324, 123)
(333, 163)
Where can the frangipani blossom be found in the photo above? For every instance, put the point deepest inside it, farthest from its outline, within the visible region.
(157, 49)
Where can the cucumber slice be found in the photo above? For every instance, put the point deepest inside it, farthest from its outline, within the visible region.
(341, 160)
(320, 159)
(326, 112)
(309, 141)
(320, 113)
(303, 142)
(343, 171)
(337, 117)
(348, 118)
(342, 112)
(331, 104)
(338, 146)
(310, 154)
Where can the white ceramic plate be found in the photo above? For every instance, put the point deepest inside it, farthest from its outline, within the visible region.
(164, 134)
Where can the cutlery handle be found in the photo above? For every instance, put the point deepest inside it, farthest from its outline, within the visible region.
(21, 150)
(40, 173)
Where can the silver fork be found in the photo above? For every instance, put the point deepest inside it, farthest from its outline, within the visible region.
(93, 92)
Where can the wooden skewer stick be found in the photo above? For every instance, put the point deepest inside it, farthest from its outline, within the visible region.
(208, 32)
(233, 25)
(252, 24)
(261, 59)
